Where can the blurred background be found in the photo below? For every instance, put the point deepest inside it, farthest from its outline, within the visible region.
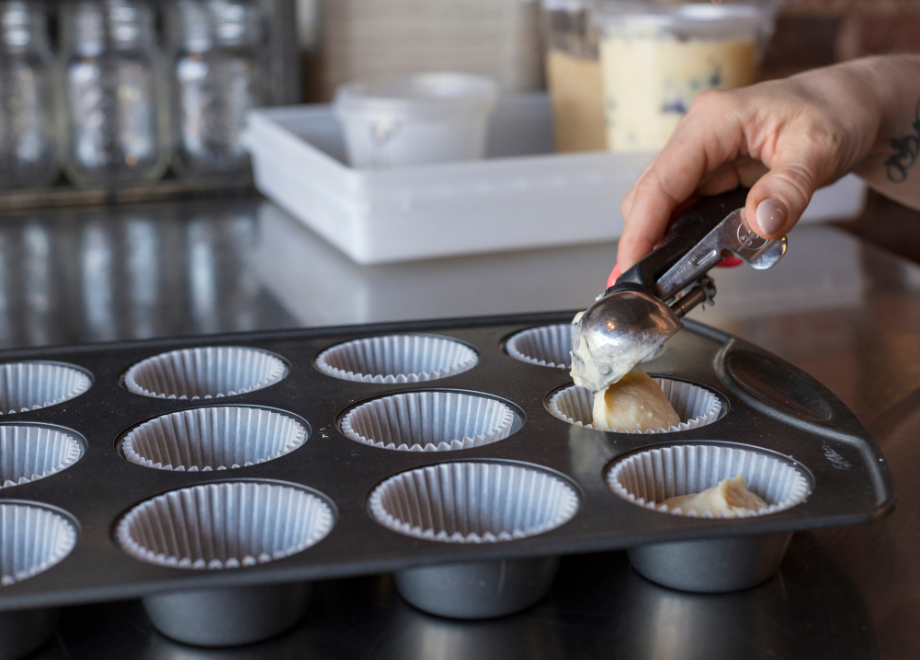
(130, 100)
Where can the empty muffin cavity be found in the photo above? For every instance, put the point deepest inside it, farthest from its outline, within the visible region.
(32, 540)
(397, 359)
(31, 452)
(213, 438)
(695, 406)
(224, 525)
(650, 477)
(546, 346)
(204, 373)
(429, 421)
(33, 385)
(473, 502)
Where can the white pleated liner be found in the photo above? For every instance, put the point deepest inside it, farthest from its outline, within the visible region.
(546, 346)
(224, 525)
(397, 359)
(204, 373)
(32, 540)
(473, 502)
(30, 453)
(429, 421)
(214, 438)
(695, 406)
(655, 475)
(33, 385)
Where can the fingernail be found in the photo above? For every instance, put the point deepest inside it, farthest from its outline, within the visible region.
(614, 275)
(770, 216)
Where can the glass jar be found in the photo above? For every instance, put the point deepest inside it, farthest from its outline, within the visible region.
(28, 152)
(217, 78)
(112, 94)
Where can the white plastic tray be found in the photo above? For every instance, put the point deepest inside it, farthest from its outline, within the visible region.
(521, 196)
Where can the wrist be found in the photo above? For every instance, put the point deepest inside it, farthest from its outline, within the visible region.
(893, 82)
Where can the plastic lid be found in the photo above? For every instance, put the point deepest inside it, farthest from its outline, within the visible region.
(706, 20)
(424, 94)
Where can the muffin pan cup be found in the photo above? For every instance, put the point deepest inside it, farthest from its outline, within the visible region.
(29, 452)
(713, 565)
(402, 358)
(429, 421)
(695, 406)
(205, 373)
(228, 617)
(479, 589)
(35, 384)
(213, 438)
(767, 406)
(33, 539)
(650, 477)
(462, 502)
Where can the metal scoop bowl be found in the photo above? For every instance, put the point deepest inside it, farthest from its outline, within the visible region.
(643, 308)
(616, 333)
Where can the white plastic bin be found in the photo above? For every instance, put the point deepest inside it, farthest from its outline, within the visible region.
(521, 196)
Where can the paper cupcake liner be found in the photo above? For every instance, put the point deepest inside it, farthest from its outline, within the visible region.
(397, 359)
(214, 438)
(224, 525)
(30, 453)
(473, 502)
(429, 421)
(546, 346)
(32, 540)
(658, 474)
(203, 373)
(33, 385)
(695, 406)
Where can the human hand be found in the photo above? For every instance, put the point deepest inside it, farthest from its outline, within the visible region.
(782, 139)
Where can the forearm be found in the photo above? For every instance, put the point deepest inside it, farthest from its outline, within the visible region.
(892, 165)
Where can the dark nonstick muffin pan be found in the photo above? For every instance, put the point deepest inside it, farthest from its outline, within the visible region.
(216, 476)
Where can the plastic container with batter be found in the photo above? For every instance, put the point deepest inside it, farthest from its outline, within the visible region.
(656, 59)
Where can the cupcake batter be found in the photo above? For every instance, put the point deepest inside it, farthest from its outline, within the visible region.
(634, 403)
(729, 499)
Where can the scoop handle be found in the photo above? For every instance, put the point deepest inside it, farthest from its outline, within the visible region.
(682, 236)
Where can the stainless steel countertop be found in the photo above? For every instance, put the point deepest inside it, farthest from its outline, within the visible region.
(845, 312)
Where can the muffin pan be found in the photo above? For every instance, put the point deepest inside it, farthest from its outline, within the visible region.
(228, 470)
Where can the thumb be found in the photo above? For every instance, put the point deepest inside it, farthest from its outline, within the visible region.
(778, 199)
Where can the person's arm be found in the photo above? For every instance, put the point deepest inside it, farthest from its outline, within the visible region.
(891, 167)
(785, 139)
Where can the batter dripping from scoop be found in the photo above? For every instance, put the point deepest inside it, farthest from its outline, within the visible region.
(633, 403)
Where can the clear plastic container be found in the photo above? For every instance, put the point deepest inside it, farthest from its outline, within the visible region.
(657, 58)
(573, 75)
(424, 118)
(217, 77)
(28, 148)
(113, 101)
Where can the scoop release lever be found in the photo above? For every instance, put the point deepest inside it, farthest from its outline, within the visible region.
(643, 308)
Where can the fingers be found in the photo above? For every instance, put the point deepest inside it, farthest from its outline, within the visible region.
(778, 199)
(743, 171)
(626, 204)
(710, 135)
